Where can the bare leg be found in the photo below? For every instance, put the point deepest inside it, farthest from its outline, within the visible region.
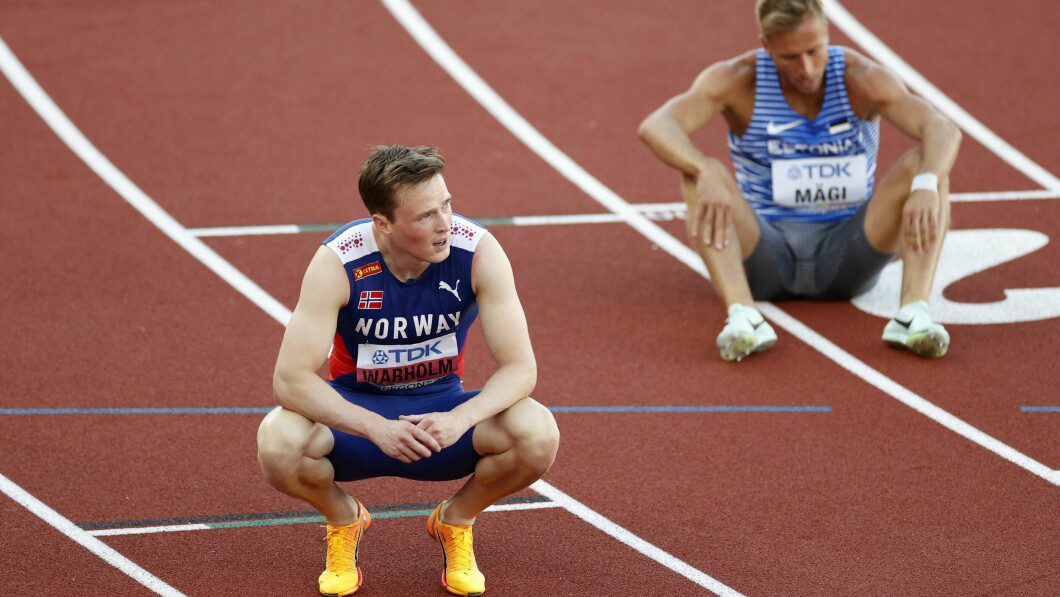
(291, 451)
(519, 445)
(726, 265)
(883, 227)
(918, 270)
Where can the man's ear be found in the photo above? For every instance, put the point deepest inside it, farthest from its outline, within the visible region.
(382, 224)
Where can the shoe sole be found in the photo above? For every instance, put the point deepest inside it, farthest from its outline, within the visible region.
(930, 345)
(740, 348)
(360, 581)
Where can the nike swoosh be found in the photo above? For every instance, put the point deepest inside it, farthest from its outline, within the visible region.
(904, 324)
(776, 129)
(755, 325)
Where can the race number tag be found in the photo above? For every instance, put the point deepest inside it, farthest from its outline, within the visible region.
(820, 184)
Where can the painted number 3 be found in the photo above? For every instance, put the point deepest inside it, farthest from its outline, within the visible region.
(967, 252)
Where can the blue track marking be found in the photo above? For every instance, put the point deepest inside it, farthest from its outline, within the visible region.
(555, 409)
(1040, 409)
(134, 411)
(690, 409)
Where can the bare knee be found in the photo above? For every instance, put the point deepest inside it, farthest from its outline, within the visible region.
(286, 440)
(534, 434)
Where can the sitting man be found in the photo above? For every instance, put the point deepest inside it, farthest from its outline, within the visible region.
(392, 298)
(801, 218)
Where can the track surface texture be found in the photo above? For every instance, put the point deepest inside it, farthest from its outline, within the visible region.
(248, 113)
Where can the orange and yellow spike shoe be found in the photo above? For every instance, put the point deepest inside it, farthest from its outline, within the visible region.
(341, 574)
(460, 574)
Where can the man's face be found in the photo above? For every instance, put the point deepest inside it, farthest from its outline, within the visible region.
(422, 219)
(801, 54)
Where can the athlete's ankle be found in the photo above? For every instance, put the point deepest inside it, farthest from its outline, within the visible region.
(346, 516)
(449, 517)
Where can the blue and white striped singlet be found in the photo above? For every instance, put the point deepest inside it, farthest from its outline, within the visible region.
(792, 168)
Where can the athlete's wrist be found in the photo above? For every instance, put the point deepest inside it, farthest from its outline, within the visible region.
(926, 181)
(705, 165)
(464, 416)
(369, 425)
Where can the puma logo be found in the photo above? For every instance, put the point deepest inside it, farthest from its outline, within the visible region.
(444, 286)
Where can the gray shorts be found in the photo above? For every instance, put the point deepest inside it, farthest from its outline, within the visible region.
(816, 260)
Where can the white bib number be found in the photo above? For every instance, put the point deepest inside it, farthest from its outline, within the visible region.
(820, 184)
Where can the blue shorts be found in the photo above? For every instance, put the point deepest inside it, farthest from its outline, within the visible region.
(356, 458)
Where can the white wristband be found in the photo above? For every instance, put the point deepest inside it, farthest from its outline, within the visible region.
(926, 182)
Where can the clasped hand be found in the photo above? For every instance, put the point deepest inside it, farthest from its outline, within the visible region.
(413, 437)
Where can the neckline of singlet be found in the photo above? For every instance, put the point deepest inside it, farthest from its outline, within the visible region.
(778, 85)
(406, 283)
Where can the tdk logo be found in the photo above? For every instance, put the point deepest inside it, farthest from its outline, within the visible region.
(821, 171)
(406, 355)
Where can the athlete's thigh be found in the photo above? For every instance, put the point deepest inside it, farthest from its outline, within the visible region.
(883, 219)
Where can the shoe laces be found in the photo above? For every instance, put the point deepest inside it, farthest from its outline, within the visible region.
(342, 548)
(459, 552)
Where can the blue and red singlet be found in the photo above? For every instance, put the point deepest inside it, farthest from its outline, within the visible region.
(403, 338)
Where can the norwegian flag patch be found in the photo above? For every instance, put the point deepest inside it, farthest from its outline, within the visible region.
(370, 299)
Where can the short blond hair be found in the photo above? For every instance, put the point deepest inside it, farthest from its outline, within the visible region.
(785, 15)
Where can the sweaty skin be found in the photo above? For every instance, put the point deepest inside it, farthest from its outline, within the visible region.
(516, 435)
(722, 223)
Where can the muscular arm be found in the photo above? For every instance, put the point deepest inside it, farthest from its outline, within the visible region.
(875, 90)
(507, 337)
(666, 131)
(296, 385)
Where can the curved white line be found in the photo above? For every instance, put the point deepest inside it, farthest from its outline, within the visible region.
(71, 530)
(879, 50)
(75, 140)
(437, 49)
(65, 129)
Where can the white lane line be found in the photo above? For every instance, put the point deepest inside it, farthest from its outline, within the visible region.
(565, 219)
(529, 506)
(73, 137)
(879, 50)
(655, 211)
(71, 530)
(40, 101)
(523, 130)
(57, 120)
(244, 230)
(436, 47)
(422, 32)
(983, 197)
(178, 528)
(172, 528)
(1005, 196)
(592, 517)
